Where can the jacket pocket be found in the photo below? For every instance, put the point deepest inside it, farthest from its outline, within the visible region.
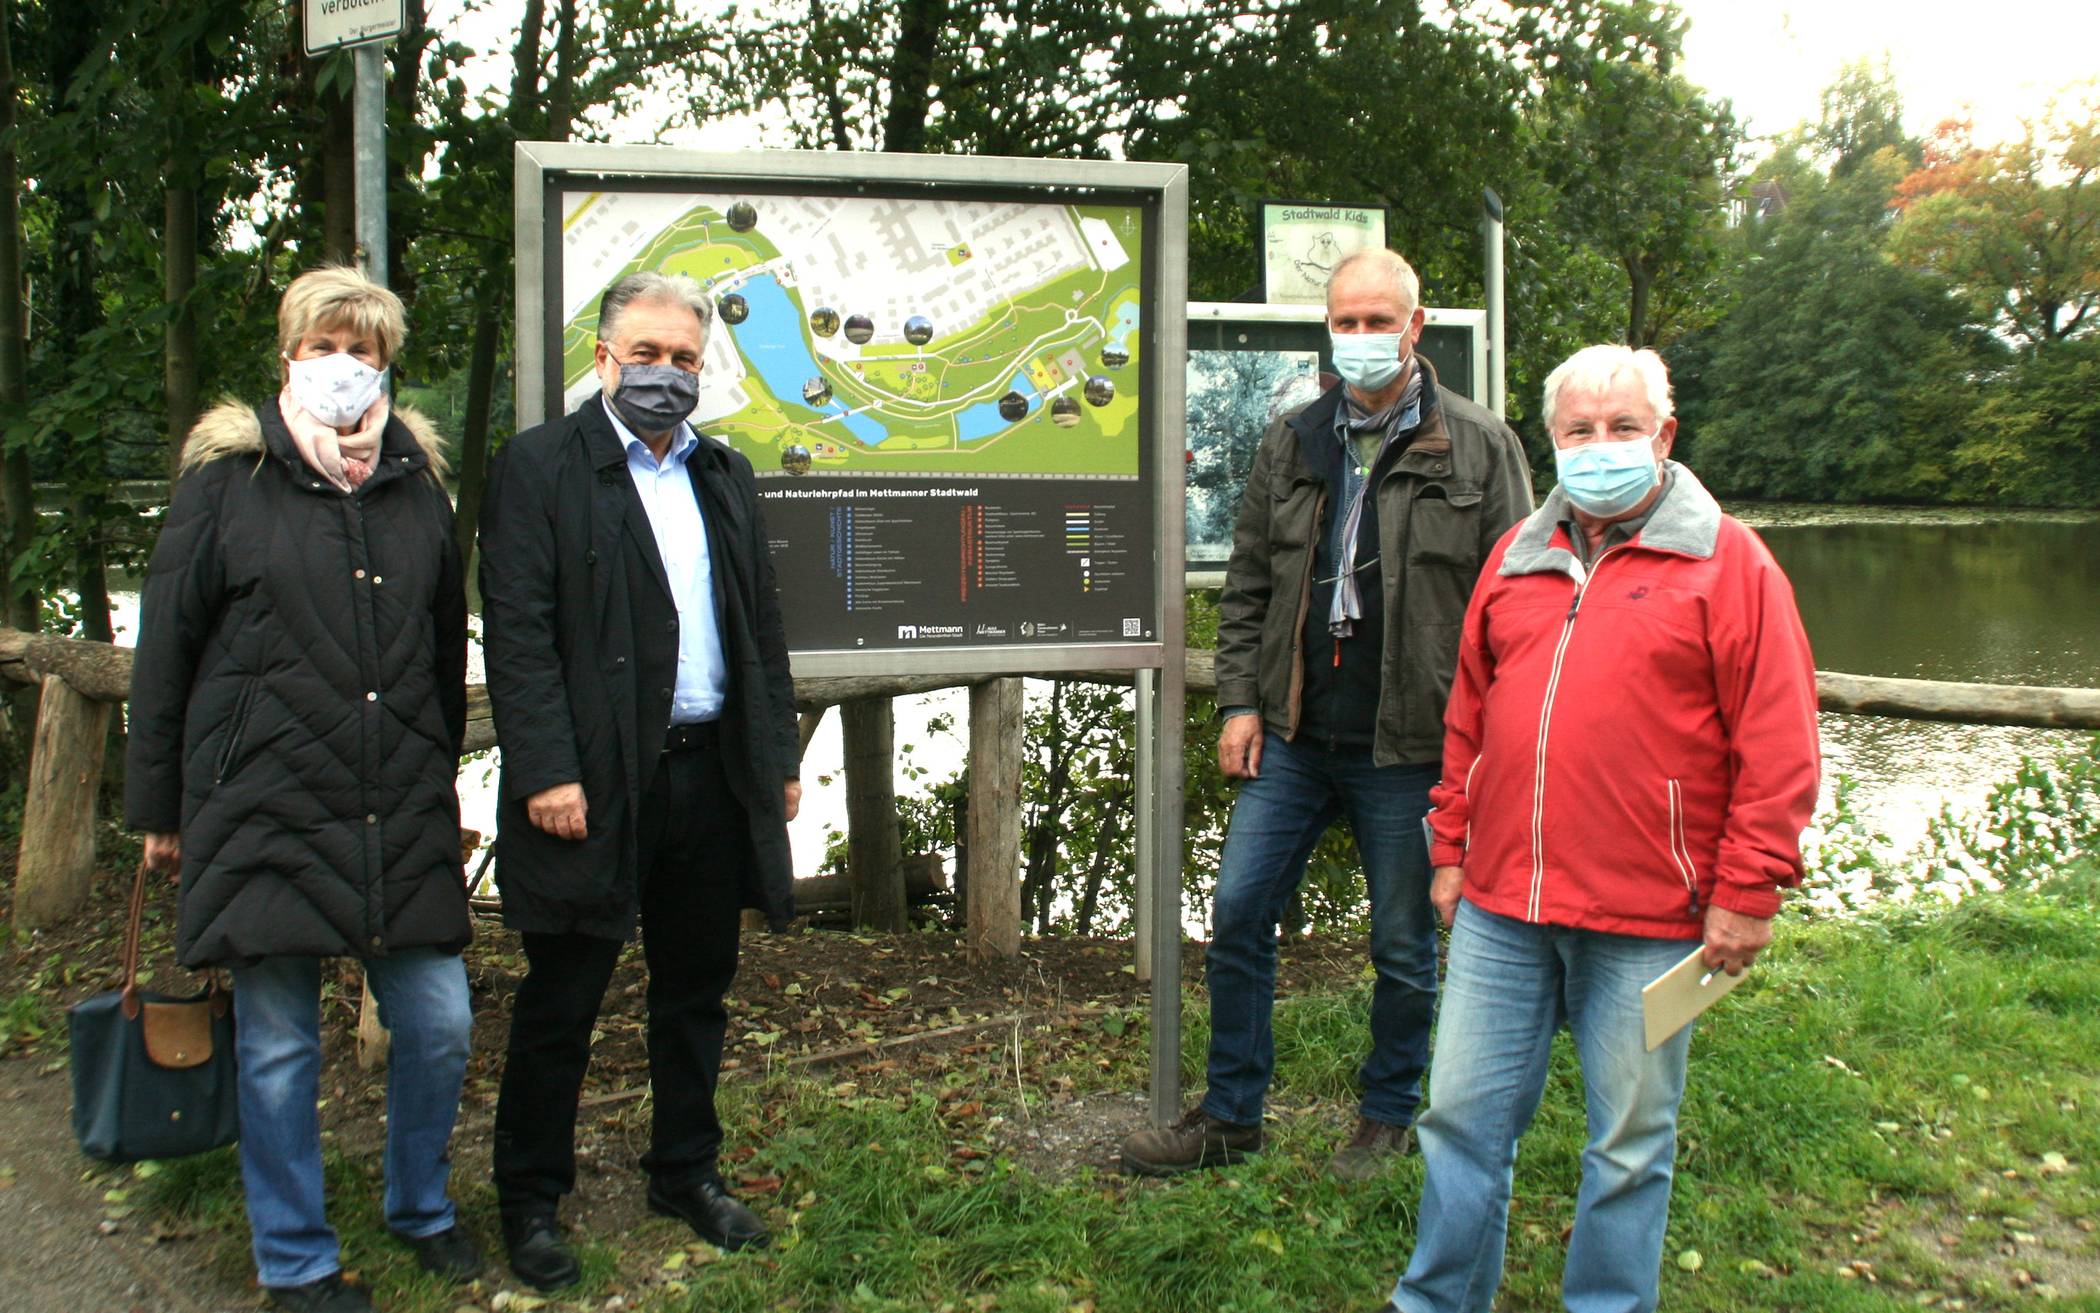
(1680, 851)
(1444, 526)
(236, 727)
(1294, 511)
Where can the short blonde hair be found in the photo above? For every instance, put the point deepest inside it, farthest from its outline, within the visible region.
(1398, 273)
(1597, 368)
(338, 295)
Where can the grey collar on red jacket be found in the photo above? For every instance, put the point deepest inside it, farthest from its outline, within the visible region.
(1687, 521)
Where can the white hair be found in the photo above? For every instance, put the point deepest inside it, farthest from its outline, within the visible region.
(1598, 368)
(650, 286)
(1391, 265)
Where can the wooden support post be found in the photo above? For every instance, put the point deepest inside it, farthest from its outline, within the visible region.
(56, 870)
(874, 852)
(994, 926)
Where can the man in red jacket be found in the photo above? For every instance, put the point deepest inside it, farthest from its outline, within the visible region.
(1630, 755)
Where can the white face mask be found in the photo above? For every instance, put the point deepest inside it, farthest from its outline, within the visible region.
(335, 389)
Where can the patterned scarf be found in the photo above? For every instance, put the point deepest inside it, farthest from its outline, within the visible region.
(1347, 605)
(344, 459)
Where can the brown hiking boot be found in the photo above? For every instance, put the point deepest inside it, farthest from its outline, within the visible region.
(1197, 1140)
(1370, 1150)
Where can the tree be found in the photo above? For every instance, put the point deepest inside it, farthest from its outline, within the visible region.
(17, 491)
(1863, 116)
(2017, 226)
(1638, 157)
(1837, 375)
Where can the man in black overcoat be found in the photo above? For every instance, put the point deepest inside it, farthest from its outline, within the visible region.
(638, 673)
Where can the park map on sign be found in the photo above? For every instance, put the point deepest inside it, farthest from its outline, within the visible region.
(887, 336)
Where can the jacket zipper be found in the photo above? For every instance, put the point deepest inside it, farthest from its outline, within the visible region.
(232, 746)
(1538, 779)
(1680, 851)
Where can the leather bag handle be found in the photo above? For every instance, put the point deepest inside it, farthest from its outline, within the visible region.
(132, 929)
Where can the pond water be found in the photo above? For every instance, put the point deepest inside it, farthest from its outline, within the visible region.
(2002, 598)
(2006, 599)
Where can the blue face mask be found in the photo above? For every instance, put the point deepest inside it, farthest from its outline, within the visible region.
(1606, 479)
(1366, 361)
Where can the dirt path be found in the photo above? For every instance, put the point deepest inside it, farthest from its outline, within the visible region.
(58, 1257)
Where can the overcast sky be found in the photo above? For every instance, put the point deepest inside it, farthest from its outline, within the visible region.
(1993, 61)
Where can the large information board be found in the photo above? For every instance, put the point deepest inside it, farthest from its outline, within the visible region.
(952, 391)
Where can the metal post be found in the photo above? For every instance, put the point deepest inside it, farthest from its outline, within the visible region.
(1498, 353)
(1168, 724)
(1159, 708)
(1144, 803)
(368, 131)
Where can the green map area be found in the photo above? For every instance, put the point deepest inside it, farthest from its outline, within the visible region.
(1025, 374)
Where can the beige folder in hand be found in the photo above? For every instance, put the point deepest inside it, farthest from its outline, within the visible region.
(1672, 999)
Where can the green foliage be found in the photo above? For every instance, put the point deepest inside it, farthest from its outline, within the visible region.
(2015, 227)
(1638, 157)
(2035, 440)
(1777, 404)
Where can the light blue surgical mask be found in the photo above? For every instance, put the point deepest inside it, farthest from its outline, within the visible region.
(1367, 361)
(1606, 479)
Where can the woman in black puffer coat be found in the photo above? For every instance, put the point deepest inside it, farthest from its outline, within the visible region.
(296, 712)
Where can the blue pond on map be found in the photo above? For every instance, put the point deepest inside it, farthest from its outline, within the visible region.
(772, 340)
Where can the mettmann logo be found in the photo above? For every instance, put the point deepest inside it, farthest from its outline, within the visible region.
(929, 631)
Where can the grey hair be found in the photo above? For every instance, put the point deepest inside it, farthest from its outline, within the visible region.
(1597, 368)
(648, 285)
(1398, 273)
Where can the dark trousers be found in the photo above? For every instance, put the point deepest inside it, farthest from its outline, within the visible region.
(693, 849)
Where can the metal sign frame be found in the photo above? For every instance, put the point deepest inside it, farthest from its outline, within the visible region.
(1160, 667)
(350, 22)
(1208, 320)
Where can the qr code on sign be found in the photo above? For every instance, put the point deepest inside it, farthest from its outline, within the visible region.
(1130, 627)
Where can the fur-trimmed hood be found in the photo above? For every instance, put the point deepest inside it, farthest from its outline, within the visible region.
(231, 428)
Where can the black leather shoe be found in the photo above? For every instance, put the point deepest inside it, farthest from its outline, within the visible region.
(451, 1253)
(539, 1255)
(331, 1294)
(713, 1214)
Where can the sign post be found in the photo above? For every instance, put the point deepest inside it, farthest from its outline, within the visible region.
(366, 25)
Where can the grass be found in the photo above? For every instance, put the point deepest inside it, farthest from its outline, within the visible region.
(1895, 1111)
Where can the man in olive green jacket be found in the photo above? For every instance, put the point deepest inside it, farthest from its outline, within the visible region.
(1364, 524)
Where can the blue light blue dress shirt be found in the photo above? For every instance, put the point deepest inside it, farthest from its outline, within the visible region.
(673, 505)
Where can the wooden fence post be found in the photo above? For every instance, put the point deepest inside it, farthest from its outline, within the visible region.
(996, 745)
(56, 870)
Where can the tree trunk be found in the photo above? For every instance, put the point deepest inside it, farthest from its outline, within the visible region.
(178, 245)
(875, 858)
(404, 88)
(56, 869)
(338, 174)
(911, 75)
(525, 71)
(1110, 829)
(76, 314)
(561, 91)
(474, 440)
(1640, 279)
(996, 744)
(22, 608)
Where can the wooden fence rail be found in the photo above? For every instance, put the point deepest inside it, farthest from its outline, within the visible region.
(79, 679)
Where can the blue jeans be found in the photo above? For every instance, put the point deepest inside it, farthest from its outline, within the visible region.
(422, 996)
(1277, 820)
(1509, 987)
